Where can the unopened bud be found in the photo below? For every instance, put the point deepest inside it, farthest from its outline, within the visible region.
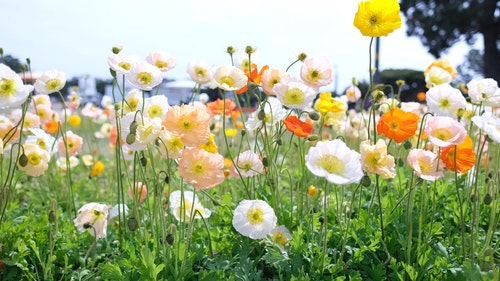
(314, 115)
(113, 73)
(230, 50)
(144, 161)
(265, 162)
(130, 139)
(487, 198)
(302, 56)
(132, 224)
(261, 115)
(366, 181)
(407, 145)
(249, 50)
(170, 239)
(23, 160)
(116, 49)
(313, 138)
(133, 127)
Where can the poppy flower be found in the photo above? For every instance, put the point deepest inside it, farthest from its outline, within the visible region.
(397, 124)
(376, 18)
(52, 127)
(297, 126)
(254, 76)
(459, 158)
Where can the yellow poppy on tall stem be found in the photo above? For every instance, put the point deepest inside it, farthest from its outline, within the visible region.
(376, 18)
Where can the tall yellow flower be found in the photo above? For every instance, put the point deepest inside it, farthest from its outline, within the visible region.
(376, 18)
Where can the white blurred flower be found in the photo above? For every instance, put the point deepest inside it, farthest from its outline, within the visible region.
(144, 76)
(445, 100)
(229, 78)
(50, 82)
(294, 93)
(121, 63)
(484, 91)
(92, 216)
(12, 90)
(437, 76)
(185, 206)
(199, 72)
(34, 160)
(162, 60)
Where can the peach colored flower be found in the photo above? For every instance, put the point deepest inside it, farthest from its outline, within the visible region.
(73, 144)
(192, 124)
(163, 61)
(443, 64)
(445, 131)
(353, 93)
(45, 112)
(426, 164)
(93, 216)
(316, 72)
(7, 133)
(138, 192)
(271, 77)
(34, 160)
(217, 107)
(200, 168)
(376, 160)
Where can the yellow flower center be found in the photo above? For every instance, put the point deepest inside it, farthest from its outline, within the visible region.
(255, 216)
(373, 159)
(442, 134)
(41, 143)
(200, 71)
(53, 84)
(175, 143)
(155, 111)
(425, 166)
(7, 87)
(279, 238)
(373, 21)
(34, 158)
(186, 125)
(332, 164)
(144, 77)
(228, 80)
(198, 167)
(161, 64)
(314, 75)
(133, 103)
(444, 103)
(394, 126)
(294, 96)
(124, 65)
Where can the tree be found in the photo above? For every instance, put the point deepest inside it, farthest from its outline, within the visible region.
(13, 63)
(442, 23)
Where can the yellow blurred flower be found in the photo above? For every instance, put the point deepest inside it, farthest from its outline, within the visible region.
(376, 18)
(231, 132)
(97, 170)
(74, 120)
(210, 145)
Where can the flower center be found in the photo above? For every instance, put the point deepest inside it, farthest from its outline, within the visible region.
(279, 238)
(144, 78)
(332, 164)
(53, 84)
(444, 103)
(442, 134)
(425, 167)
(228, 80)
(255, 216)
(34, 158)
(161, 64)
(314, 75)
(155, 111)
(294, 96)
(200, 72)
(7, 87)
(394, 126)
(198, 167)
(124, 65)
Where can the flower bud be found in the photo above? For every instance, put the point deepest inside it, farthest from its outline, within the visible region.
(116, 49)
(52, 216)
(130, 139)
(249, 50)
(265, 162)
(230, 50)
(313, 138)
(132, 224)
(487, 198)
(144, 161)
(302, 56)
(407, 145)
(113, 73)
(170, 238)
(366, 181)
(133, 127)
(23, 160)
(261, 115)
(314, 115)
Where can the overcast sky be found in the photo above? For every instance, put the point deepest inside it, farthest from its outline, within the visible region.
(76, 36)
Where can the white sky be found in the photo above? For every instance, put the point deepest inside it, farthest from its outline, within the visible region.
(76, 36)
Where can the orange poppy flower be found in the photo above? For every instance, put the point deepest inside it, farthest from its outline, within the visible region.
(52, 127)
(465, 157)
(254, 76)
(398, 124)
(217, 107)
(297, 126)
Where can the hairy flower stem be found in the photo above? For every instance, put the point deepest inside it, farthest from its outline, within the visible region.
(381, 218)
(475, 204)
(325, 226)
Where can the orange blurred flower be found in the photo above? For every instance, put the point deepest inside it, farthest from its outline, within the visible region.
(421, 96)
(398, 124)
(217, 107)
(97, 169)
(297, 126)
(52, 127)
(312, 190)
(465, 157)
(254, 76)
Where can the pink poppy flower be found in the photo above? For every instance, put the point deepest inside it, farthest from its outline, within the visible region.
(200, 168)
(138, 192)
(445, 131)
(426, 164)
(316, 72)
(73, 144)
